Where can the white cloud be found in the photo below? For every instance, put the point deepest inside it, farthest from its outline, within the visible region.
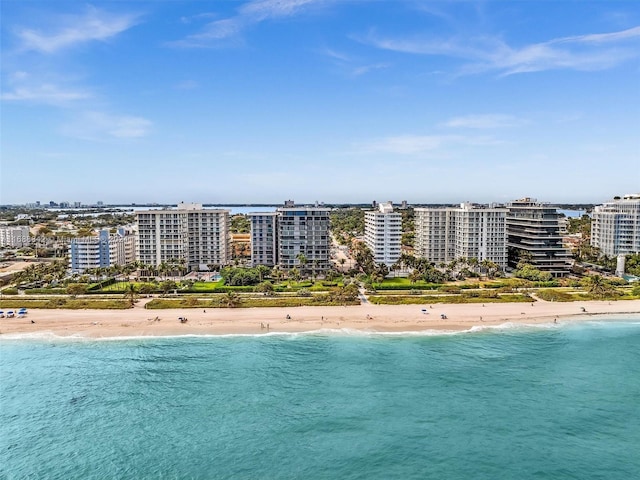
(368, 68)
(101, 126)
(71, 30)
(44, 93)
(416, 144)
(486, 121)
(248, 14)
(584, 52)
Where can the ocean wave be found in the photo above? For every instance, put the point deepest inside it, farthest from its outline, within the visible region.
(619, 320)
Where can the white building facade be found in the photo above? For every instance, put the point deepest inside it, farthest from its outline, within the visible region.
(383, 234)
(468, 231)
(188, 233)
(102, 251)
(434, 234)
(615, 226)
(14, 236)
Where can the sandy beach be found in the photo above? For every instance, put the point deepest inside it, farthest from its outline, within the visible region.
(374, 318)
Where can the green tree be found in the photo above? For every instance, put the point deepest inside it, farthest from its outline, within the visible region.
(168, 285)
(240, 224)
(597, 286)
(263, 271)
(232, 300)
(147, 288)
(302, 260)
(265, 287)
(131, 294)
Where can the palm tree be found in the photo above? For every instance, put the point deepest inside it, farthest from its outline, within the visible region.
(342, 261)
(415, 276)
(473, 263)
(303, 262)
(294, 273)
(232, 300)
(597, 285)
(131, 294)
(262, 270)
(163, 269)
(276, 273)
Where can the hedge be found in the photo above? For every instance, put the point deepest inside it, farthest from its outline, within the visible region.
(410, 286)
(76, 304)
(251, 302)
(412, 300)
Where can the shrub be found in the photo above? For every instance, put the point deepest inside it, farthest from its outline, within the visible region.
(450, 289)
(555, 296)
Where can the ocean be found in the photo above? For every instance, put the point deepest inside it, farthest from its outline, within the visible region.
(548, 402)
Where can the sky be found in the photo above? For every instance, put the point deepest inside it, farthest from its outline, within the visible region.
(335, 101)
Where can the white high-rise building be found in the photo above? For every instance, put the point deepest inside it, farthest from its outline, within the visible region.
(191, 233)
(435, 234)
(468, 231)
(383, 233)
(615, 226)
(14, 236)
(264, 238)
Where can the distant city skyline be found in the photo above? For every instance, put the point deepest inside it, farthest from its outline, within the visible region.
(319, 100)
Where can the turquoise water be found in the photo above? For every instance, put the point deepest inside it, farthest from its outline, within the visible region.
(546, 403)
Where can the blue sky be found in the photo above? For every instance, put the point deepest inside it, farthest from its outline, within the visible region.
(328, 100)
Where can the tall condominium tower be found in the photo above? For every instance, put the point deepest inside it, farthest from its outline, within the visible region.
(383, 233)
(264, 239)
(303, 238)
(468, 231)
(189, 232)
(533, 232)
(435, 234)
(291, 237)
(615, 226)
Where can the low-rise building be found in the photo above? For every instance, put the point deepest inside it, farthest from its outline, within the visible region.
(14, 236)
(101, 251)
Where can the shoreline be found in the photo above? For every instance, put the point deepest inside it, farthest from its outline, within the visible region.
(368, 319)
